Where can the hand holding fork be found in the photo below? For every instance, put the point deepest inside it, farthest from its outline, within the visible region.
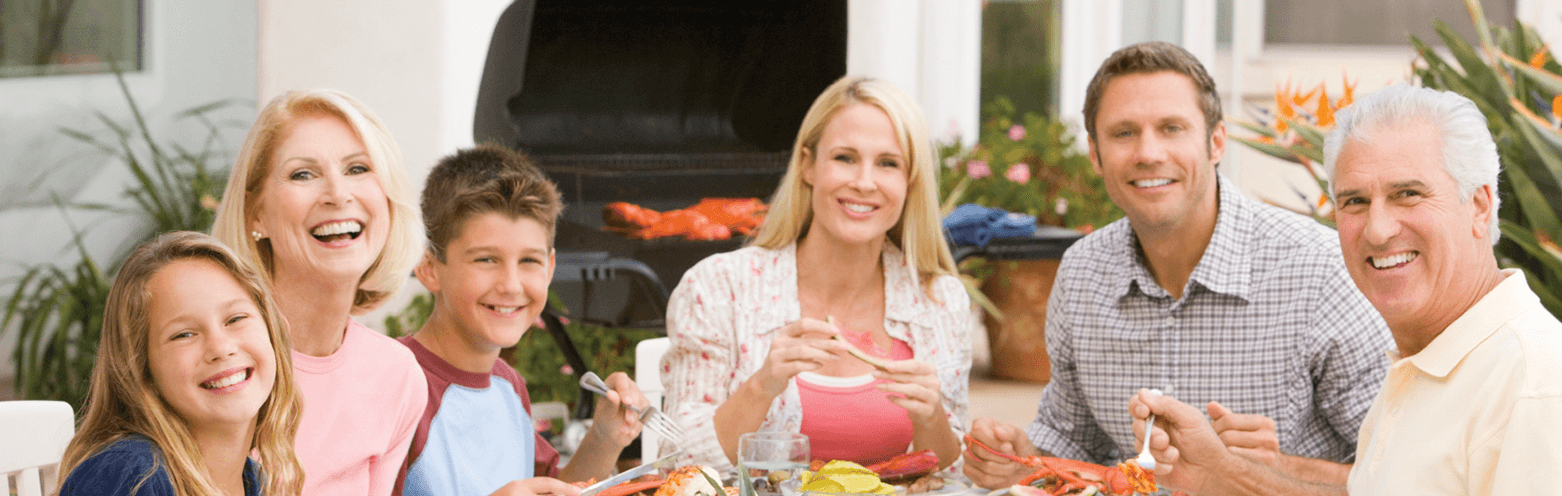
(650, 416)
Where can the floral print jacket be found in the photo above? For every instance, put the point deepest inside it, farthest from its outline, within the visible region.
(723, 312)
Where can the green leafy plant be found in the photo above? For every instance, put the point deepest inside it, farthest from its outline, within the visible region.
(1294, 132)
(56, 312)
(548, 378)
(1026, 164)
(1516, 82)
(411, 317)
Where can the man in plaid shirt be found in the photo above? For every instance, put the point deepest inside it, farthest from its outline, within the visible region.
(1200, 292)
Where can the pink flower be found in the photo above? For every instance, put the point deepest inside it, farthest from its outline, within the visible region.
(542, 425)
(1017, 132)
(978, 169)
(567, 370)
(1019, 173)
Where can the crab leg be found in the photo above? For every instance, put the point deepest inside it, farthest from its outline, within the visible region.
(1112, 479)
(629, 488)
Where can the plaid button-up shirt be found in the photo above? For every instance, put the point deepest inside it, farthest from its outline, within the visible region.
(1269, 324)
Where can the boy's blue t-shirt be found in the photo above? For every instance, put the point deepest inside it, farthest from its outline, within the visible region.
(121, 466)
(476, 434)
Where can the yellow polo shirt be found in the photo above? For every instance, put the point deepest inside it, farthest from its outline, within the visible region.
(1478, 412)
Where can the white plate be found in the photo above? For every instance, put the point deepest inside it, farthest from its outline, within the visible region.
(1004, 491)
(951, 486)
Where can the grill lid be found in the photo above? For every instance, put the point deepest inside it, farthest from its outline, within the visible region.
(614, 77)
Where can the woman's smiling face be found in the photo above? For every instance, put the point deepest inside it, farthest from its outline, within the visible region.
(859, 173)
(321, 205)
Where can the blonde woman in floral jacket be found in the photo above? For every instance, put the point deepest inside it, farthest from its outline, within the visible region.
(852, 249)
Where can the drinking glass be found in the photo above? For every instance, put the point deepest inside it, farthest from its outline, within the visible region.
(766, 459)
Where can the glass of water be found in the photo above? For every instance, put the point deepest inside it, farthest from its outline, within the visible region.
(766, 459)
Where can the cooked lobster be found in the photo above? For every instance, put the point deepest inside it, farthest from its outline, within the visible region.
(711, 219)
(1072, 475)
(906, 468)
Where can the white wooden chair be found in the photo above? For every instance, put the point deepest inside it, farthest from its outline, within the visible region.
(648, 376)
(33, 436)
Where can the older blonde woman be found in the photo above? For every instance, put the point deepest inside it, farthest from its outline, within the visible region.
(852, 234)
(318, 198)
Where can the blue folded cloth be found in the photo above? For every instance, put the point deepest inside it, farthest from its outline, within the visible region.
(972, 224)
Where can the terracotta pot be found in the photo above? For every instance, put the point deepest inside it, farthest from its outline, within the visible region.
(1019, 344)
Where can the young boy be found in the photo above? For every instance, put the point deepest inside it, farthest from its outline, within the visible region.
(490, 217)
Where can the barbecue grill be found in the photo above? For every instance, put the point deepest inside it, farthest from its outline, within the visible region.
(658, 104)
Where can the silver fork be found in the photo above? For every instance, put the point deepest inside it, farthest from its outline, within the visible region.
(1145, 459)
(650, 416)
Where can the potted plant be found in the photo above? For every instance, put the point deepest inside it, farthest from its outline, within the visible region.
(1027, 164)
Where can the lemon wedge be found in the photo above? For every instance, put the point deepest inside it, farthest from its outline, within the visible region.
(845, 477)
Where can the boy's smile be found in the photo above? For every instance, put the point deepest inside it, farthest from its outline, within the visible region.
(489, 289)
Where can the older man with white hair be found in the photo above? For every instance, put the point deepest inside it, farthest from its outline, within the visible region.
(1473, 401)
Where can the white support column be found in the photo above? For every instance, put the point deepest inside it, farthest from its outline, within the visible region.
(929, 48)
(1198, 29)
(951, 86)
(1247, 17)
(1092, 30)
(883, 40)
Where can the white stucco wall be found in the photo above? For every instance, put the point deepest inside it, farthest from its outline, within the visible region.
(197, 52)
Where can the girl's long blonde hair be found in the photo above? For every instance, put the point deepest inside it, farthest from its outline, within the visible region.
(122, 400)
(918, 234)
(403, 248)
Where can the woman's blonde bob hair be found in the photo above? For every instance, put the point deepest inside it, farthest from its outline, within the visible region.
(122, 399)
(240, 206)
(918, 234)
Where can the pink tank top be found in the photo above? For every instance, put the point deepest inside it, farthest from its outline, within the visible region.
(847, 418)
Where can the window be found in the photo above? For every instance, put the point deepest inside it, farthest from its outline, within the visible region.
(55, 37)
(1358, 22)
(1020, 53)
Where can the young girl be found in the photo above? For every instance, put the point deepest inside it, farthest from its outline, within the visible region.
(193, 375)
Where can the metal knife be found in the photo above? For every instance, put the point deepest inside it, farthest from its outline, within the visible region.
(631, 474)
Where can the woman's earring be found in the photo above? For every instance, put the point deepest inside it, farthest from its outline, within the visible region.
(257, 235)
